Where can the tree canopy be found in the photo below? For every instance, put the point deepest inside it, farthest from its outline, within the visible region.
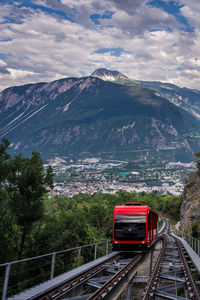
(24, 182)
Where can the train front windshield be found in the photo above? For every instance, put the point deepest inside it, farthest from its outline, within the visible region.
(130, 227)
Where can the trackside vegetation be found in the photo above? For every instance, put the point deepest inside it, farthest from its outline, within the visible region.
(33, 221)
(23, 183)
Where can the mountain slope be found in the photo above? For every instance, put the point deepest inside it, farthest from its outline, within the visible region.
(184, 98)
(89, 116)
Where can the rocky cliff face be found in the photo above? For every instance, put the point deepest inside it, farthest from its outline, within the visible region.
(190, 209)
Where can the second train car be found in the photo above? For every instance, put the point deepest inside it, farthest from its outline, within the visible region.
(135, 226)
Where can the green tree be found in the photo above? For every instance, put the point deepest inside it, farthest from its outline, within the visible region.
(5, 218)
(26, 183)
(4, 157)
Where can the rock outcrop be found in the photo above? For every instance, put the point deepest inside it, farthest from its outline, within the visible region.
(190, 209)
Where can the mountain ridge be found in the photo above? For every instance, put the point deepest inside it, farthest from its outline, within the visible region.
(90, 116)
(187, 99)
(108, 75)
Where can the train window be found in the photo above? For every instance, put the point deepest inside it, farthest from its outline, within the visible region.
(130, 227)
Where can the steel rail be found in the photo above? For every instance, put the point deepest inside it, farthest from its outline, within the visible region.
(152, 281)
(152, 290)
(69, 286)
(149, 286)
(102, 292)
(57, 291)
(113, 288)
(163, 226)
(191, 283)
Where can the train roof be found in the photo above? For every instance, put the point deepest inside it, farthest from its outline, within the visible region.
(133, 208)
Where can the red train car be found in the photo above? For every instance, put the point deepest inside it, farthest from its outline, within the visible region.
(134, 227)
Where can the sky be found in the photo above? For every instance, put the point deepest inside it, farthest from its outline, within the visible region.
(45, 40)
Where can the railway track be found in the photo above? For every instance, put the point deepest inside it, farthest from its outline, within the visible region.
(80, 283)
(99, 282)
(172, 277)
(112, 288)
(106, 279)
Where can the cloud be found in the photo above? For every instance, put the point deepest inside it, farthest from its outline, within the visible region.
(143, 42)
(191, 10)
(4, 70)
(146, 19)
(3, 67)
(128, 5)
(5, 12)
(13, 13)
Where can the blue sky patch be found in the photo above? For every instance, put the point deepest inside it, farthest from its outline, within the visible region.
(11, 20)
(83, 73)
(172, 8)
(5, 55)
(6, 40)
(166, 28)
(95, 17)
(32, 5)
(174, 45)
(113, 51)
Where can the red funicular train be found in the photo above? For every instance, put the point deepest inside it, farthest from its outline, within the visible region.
(134, 226)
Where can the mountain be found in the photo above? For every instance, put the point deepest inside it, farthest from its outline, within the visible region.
(82, 117)
(108, 75)
(187, 99)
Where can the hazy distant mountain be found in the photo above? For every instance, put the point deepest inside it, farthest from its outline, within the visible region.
(88, 116)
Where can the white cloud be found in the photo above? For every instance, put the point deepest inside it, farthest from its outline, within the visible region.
(44, 47)
(146, 19)
(191, 11)
(17, 74)
(2, 63)
(5, 12)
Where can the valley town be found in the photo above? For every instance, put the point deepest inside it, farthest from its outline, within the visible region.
(92, 175)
